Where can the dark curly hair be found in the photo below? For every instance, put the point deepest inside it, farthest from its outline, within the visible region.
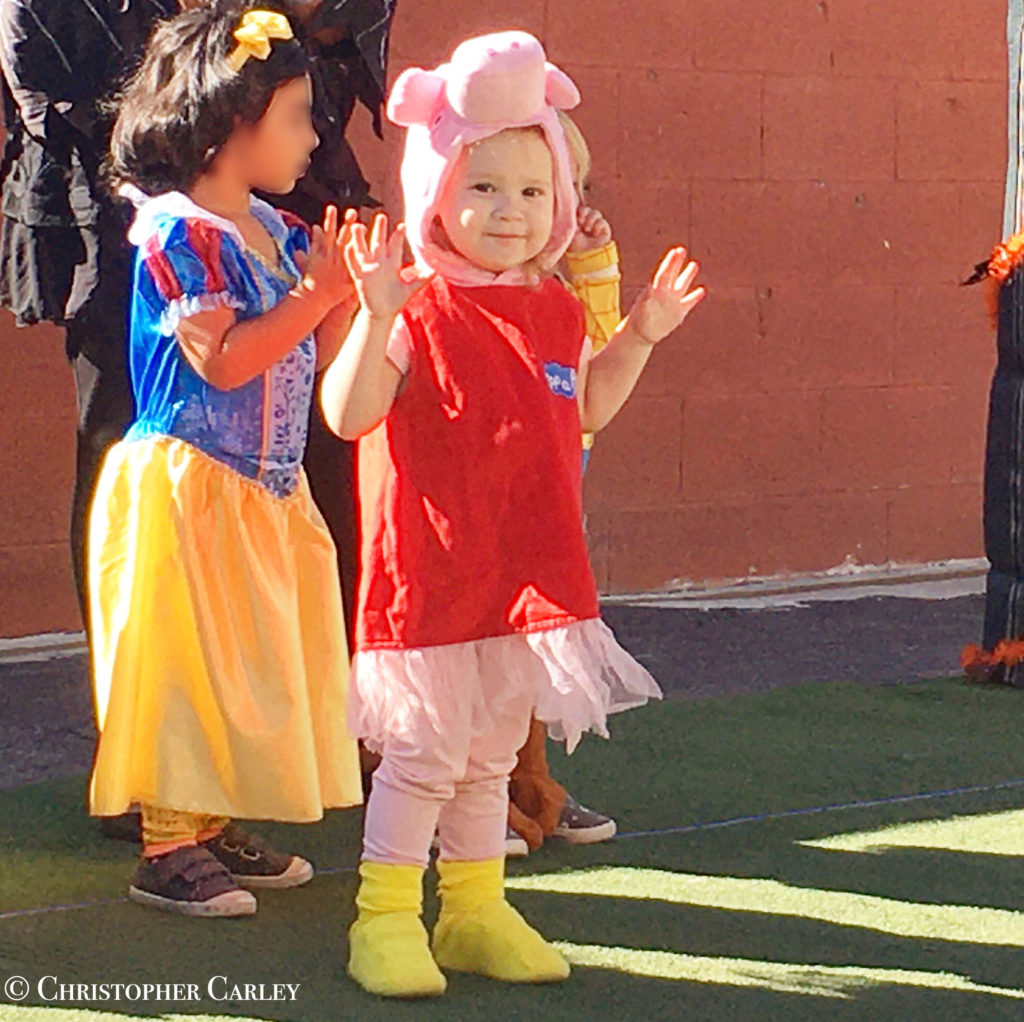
(180, 106)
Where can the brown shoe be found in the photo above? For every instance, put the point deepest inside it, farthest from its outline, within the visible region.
(254, 863)
(191, 882)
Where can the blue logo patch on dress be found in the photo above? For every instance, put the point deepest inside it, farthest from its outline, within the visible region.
(561, 379)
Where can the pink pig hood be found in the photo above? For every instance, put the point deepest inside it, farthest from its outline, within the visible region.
(491, 83)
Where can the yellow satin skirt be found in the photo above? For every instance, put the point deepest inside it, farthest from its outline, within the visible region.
(220, 666)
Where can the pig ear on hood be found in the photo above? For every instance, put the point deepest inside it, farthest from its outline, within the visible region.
(560, 90)
(415, 96)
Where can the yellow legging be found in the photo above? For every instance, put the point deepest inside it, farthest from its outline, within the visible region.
(163, 830)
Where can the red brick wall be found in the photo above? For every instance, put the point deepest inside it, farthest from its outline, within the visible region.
(37, 428)
(836, 168)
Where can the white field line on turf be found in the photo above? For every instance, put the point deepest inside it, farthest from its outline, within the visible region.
(784, 814)
(694, 828)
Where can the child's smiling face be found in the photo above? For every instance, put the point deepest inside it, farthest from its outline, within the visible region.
(498, 206)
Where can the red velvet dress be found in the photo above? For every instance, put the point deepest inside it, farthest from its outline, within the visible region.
(470, 495)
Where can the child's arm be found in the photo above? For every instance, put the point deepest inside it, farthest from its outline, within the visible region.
(608, 379)
(592, 267)
(228, 354)
(360, 385)
(333, 329)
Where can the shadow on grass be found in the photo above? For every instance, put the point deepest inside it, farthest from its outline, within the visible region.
(746, 950)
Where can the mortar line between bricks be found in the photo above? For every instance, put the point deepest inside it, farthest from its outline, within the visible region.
(694, 828)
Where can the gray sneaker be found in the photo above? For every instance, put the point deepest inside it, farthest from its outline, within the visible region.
(515, 846)
(578, 825)
(190, 882)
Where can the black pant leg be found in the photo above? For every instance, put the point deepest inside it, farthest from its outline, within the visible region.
(97, 348)
(1004, 480)
(330, 467)
(105, 411)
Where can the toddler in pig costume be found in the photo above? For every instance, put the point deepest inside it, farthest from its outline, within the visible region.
(468, 379)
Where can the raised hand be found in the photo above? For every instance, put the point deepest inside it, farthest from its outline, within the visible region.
(667, 300)
(375, 262)
(325, 275)
(592, 230)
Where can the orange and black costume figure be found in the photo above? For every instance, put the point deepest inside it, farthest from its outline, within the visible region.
(1000, 657)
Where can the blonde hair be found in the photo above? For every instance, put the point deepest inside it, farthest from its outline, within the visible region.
(579, 152)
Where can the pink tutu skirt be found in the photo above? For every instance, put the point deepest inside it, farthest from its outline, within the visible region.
(576, 674)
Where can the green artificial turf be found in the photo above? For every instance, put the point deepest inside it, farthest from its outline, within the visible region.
(903, 910)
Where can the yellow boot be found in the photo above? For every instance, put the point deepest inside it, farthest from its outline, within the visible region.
(479, 931)
(388, 950)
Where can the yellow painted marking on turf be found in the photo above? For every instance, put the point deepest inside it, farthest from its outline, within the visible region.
(782, 977)
(985, 833)
(962, 923)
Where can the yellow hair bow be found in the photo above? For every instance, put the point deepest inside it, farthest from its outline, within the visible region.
(254, 33)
